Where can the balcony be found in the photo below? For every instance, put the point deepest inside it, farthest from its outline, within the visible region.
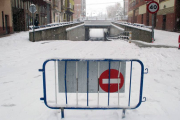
(70, 9)
(63, 7)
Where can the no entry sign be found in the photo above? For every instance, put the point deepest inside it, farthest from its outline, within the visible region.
(32, 8)
(114, 79)
(153, 7)
(94, 74)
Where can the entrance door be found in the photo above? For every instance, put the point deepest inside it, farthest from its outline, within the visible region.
(7, 24)
(177, 16)
(164, 22)
(147, 19)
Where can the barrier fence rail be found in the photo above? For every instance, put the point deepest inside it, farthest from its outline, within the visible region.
(106, 76)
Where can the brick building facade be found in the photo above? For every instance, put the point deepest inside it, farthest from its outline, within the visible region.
(79, 9)
(167, 18)
(15, 15)
(6, 24)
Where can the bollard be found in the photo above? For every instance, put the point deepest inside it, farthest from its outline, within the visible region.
(179, 42)
(130, 36)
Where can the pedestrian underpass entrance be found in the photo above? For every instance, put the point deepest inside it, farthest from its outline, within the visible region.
(97, 24)
(99, 84)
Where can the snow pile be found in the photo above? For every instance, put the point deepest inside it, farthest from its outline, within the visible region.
(141, 28)
(21, 83)
(117, 27)
(166, 38)
(71, 28)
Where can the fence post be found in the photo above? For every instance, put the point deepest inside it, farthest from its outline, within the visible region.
(130, 36)
(123, 113)
(62, 112)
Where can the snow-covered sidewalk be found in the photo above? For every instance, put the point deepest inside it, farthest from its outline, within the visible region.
(166, 38)
(163, 38)
(21, 83)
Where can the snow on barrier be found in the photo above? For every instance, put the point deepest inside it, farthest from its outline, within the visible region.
(100, 84)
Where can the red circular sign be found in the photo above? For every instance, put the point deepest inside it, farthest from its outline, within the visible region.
(104, 80)
(153, 7)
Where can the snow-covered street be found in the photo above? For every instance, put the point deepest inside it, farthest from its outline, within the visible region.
(21, 84)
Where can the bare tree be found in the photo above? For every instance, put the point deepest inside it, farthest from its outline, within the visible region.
(114, 11)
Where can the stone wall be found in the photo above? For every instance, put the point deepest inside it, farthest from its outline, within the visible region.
(76, 34)
(115, 31)
(137, 33)
(51, 33)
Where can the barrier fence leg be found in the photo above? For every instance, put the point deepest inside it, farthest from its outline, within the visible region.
(62, 112)
(123, 113)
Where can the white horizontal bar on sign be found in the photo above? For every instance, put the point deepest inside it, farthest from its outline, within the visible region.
(112, 81)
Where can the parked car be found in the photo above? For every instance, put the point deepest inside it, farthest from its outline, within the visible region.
(53, 24)
(42, 26)
(48, 25)
(141, 25)
(130, 23)
(125, 22)
(35, 27)
(150, 27)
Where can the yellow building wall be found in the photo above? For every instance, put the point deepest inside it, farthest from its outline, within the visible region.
(166, 7)
(167, 3)
(142, 9)
(130, 13)
(5, 6)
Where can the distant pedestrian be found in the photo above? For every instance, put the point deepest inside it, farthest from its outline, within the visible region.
(36, 23)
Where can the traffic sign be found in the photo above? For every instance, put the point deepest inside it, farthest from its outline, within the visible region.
(32, 8)
(91, 76)
(153, 7)
(114, 80)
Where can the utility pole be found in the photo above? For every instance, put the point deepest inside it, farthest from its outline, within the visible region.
(124, 7)
(152, 27)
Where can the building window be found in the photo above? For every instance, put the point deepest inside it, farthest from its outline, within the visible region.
(28, 5)
(16, 4)
(12, 3)
(19, 4)
(3, 19)
(22, 3)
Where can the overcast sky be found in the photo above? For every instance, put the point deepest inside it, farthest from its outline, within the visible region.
(94, 7)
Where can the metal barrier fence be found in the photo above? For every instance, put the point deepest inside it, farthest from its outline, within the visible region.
(105, 76)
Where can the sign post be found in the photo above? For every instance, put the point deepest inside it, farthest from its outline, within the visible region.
(153, 7)
(32, 9)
